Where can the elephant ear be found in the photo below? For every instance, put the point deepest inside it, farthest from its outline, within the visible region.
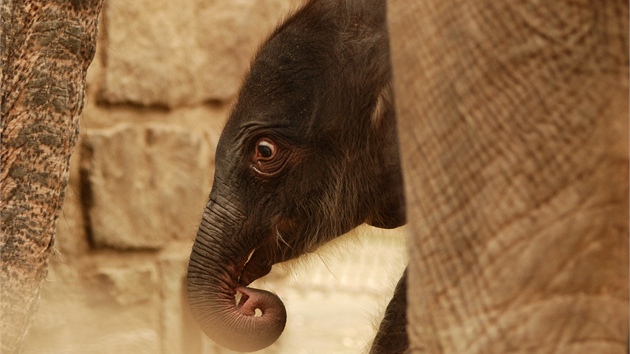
(389, 209)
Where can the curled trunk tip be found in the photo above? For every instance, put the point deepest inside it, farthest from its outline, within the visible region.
(252, 324)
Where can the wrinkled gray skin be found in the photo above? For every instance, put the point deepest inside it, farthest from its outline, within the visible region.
(513, 122)
(308, 153)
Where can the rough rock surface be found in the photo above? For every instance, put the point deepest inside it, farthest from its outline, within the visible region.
(173, 53)
(145, 185)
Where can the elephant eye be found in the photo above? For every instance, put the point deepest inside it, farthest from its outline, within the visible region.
(269, 157)
(265, 149)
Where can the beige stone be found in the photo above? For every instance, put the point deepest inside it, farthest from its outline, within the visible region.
(127, 285)
(147, 184)
(172, 53)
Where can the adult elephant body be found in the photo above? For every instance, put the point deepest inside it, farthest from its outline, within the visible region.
(512, 128)
(513, 124)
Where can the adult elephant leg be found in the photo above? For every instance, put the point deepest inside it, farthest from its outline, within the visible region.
(392, 337)
(513, 125)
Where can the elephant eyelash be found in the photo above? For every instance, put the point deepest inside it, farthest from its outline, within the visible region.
(264, 173)
(271, 167)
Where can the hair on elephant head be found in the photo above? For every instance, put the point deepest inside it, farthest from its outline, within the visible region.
(308, 153)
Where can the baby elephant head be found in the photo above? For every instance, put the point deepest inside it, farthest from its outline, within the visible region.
(308, 153)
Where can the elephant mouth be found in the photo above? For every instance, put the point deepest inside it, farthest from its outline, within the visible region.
(257, 265)
(260, 259)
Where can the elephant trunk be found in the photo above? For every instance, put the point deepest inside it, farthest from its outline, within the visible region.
(249, 322)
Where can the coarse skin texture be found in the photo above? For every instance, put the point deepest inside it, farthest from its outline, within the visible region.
(46, 49)
(308, 153)
(513, 120)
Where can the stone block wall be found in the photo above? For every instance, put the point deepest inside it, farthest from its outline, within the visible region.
(159, 90)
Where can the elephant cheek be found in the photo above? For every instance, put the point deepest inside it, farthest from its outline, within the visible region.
(253, 322)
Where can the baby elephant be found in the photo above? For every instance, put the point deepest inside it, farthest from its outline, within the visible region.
(308, 153)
